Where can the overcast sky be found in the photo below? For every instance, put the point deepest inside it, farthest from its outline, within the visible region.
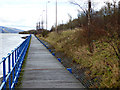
(24, 14)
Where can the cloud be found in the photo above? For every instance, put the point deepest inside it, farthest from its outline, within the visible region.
(27, 13)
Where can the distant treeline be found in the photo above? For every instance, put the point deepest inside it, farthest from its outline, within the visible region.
(28, 32)
(40, 31)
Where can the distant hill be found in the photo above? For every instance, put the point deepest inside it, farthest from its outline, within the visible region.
(9, 30)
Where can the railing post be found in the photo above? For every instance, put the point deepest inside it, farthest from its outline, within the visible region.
(12, 66)
(17, 52)
(4, 72)
(16, 63)
(9, 70)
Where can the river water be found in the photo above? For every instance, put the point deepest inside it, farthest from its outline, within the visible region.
(8, 42)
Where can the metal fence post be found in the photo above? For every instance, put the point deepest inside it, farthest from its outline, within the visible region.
(9, 70)
(13, 66)
(4, 72)
(16, 63)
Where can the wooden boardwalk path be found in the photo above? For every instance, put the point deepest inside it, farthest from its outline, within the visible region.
(43, 70)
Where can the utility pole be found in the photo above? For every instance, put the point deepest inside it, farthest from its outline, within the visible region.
(56, 17)
(89, 10)
(90, 42)
(119, 14)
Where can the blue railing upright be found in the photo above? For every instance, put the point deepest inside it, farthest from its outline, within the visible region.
(12, 65)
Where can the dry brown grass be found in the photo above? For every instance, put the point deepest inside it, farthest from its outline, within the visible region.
(103, 63)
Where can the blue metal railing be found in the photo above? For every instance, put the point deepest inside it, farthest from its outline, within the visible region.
(41, 42)
(12, 64)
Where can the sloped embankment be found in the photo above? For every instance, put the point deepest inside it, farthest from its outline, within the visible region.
(100, 68)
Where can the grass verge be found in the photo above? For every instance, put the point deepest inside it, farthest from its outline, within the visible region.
(102, 65)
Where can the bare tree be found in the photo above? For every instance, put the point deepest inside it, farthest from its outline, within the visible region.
(88, 15)
(75, 3)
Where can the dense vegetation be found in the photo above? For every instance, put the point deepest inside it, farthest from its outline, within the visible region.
(102, 64)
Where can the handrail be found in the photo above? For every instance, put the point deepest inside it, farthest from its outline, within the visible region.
(41, 41)
(12, 64)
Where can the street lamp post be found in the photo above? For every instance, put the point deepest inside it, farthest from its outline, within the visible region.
(39, 25)
(46, 13)
(42, 22)
(36, 26)
(56, 17)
